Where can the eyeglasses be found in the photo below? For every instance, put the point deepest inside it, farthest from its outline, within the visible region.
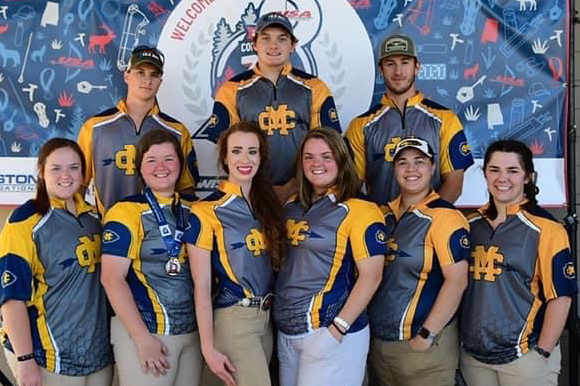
(154, 50)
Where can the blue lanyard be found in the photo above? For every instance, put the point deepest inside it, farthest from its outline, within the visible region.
(172, 243)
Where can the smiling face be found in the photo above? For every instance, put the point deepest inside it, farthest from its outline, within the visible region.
(273, 46)
(143, 82)
(319, 166)
(505, 178)
(413, 171)
(160, 168)
(62, 173)
(399, 73)
(242, 157)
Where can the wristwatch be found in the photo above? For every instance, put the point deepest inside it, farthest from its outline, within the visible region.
(542, 352)
(26, 357)
(426, 334)
(342, 323)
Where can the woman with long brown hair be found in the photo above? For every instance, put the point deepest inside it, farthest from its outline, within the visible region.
(237, 236)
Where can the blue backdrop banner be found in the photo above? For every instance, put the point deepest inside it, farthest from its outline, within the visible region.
(501, 65)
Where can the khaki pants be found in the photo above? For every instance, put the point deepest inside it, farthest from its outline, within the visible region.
(531, 369)
(397, 364)
(101, 377)
(184, 358)
(244, 335)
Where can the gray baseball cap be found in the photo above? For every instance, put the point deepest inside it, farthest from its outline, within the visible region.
(397, 44)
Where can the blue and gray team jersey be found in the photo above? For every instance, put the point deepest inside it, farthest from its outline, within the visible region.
(109, 143)
(224, 224)
(285, 111)
(131, 231)
(514, 271)
(324, 242)
(374, 135)
(430, 235)
(52, 263)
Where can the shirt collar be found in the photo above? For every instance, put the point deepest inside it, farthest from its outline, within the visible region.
(394, 205)
(122, 106)
(510, 210)
(230, 188)
(414, 100)
(81, 205)
(162, 200)
(285, 70)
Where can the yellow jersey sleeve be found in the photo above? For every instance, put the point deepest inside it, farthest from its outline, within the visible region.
(122, 230)
(367, 231)
(202, 223)
(449, 236)
(85, 142)
(356, 140)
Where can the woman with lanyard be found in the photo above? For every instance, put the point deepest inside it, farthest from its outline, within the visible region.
(146, 274)
(415, 339)
(49, 264)
(334, 264)
(238, 234)
(521, 280)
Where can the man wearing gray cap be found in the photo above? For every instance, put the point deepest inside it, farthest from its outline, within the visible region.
(284, 101)
(109, 139)
(403, 112)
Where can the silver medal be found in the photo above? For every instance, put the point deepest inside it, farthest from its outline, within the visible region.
(173, 267)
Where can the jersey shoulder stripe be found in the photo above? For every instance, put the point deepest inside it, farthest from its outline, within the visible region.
(373, 110)
(440, 203)
(472, 217)
(433, 105)
(247, 75)
(302, 74)
(24, 212)
(168, 118)
(541, 212)
(136, 198)
(215, 196)
(188, 198)
(106, 113)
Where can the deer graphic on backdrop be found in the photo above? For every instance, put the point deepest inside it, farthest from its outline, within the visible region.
(101, 40)
(471, 72)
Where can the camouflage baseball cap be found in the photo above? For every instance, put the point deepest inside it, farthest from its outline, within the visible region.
(397, 44)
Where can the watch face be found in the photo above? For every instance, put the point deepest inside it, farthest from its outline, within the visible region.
(424, 333)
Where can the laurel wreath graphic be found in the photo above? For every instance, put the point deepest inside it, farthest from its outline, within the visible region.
(337, 75)
(198, 104)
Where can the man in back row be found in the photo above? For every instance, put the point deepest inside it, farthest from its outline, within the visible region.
(284, 101)
(405, 112)
(109, 139)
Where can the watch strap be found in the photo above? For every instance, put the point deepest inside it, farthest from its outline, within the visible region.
(26, 357)
(542, 352)
(342, 323)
